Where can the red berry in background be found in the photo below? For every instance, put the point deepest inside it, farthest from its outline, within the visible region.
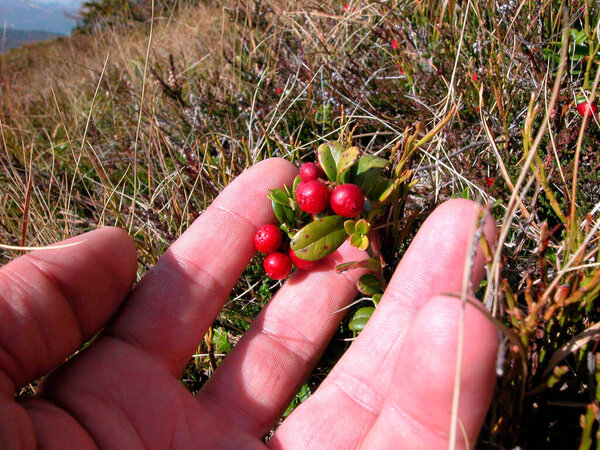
(301, 264)
(278, 266)
(310, 171)
(267, 239)
(312, 196)
(347, 200)
(489, 181)
(394, 44)
(585, 106)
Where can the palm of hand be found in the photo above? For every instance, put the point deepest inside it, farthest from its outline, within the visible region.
(393, 388)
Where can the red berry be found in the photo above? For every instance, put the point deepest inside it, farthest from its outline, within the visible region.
(310, 171)
(394, 44)
(489, 181)
(347, 200)
(301, 264)
(267, 239)
(278, 266)
(585, 106)
(312, 196)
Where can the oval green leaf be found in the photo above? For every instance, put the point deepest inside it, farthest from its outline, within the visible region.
(360, 241)
(368, 162)
(327, 161)
(349, 226)
(279, 196)
(348, 158)
(368, 285)
(362, 226)
(360, 318)
(319, 238)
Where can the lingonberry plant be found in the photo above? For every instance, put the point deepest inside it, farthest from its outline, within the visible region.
(278, 266)
(342, 197)
(347, 200)
(586, 106)
(310, 171)
(267, 239)
(312, 196)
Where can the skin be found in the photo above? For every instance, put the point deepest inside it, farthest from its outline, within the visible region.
(392, 388)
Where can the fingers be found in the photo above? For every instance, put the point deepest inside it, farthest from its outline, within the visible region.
(172, 307)
(52, 301)
(257, 380)
(352, 395)
(418, 406)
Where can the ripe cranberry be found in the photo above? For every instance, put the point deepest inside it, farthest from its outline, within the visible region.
(267, 239)
(585, 106)
(347, 200)
(301, 264)
(312, 196)
(278, 266)
(310, 171)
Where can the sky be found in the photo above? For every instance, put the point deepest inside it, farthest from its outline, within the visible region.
(57, 16)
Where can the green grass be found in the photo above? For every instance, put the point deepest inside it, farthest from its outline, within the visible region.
(116, 128)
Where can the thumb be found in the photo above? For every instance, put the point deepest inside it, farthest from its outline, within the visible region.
(418, 409)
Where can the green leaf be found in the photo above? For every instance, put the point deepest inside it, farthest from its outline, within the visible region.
(297, 181)
(327, 160)
(368, 285)
(360, 318)
(578, 35)
(348, 158)
(289, 192)
(279, 196)
(360, 241)
(369, 264)
(349, 226)
(369, 162)
(222, 344)
(319, 238)
(367, 174)
(376, 298)
(362, 226)
(302, 395)
(279, 211)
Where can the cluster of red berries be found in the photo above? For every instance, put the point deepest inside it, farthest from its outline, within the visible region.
(313, 197)
(278, 265)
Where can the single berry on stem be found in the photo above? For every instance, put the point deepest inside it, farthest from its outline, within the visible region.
(310, 171)
(278, 266)
(347, 200)
(585, 106)
(301, 264)
(267, 239)
(312, 196)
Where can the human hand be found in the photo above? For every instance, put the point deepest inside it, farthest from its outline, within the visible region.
(392, 389)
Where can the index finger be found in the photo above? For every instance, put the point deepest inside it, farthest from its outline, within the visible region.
(175, 303)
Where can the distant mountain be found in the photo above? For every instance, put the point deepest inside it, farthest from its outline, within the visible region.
(47, 15)
(10, 38)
